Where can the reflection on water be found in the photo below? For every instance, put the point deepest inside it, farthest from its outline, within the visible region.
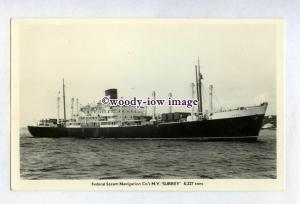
(70, 158)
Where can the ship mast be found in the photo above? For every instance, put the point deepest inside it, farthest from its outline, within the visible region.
(199, 85)
(58, 99)
(154, 109)
(170, 107)
(197, 88)
(72, 108)
(64, 99)
(211, 99)
(193, 93)
(77, 103)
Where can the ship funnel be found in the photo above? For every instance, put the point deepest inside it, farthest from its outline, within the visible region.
(112, 93)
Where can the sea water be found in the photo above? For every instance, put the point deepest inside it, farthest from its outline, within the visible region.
(71, 158)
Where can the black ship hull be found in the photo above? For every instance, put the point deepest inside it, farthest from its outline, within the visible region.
(238, 128)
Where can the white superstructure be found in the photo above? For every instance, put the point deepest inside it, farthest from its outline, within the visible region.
(104, 115)
(240, 112)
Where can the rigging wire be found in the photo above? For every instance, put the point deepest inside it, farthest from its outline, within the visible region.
(206, 97)
(216, 101)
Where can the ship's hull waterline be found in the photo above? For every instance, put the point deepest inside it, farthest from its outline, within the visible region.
(238, 128)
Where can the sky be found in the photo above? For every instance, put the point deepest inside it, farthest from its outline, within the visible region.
(139, 56)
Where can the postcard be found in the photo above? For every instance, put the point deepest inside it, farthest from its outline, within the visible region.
(147, 104)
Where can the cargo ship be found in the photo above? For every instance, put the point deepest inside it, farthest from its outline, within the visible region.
(127, 122)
